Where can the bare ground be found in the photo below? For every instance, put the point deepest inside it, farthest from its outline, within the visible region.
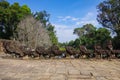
(59, 69)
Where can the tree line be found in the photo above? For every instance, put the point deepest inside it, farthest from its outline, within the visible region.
(34, 29)
(109, 17)
(19, 23)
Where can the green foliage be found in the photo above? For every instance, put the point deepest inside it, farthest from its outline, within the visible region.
(53, 38)
(62, 44)
(109, 15)
(77, 43)
(102, 34)
(79, 31)
(4, 4)
(62, 49)
(116, 43)
(71, 43)
(52, 34)
(10, 16)
(84, 30)
(43, 16)
(91, 36)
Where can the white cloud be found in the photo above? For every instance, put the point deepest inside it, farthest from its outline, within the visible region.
(67, 18)
(90, 17)
(87, 22)
(87, 19)
(74, 19)
(64, 33)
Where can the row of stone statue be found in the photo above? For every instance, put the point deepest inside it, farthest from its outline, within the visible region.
(17, 51)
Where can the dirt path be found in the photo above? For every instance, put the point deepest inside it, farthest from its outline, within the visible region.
(71, 69)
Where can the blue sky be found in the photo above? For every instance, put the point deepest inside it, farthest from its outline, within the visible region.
(65, 15)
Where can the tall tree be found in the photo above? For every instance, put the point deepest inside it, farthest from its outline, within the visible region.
(85, 33)
(109, 15)
(43, 17)
(102, 35)
(32, 33)
(91, 35)
(52, 34)
(85, 29)
(10, 16)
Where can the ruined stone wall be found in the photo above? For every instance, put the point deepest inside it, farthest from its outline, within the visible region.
(11, 41)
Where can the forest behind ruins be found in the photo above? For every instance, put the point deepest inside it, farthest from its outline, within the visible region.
(19, 23)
